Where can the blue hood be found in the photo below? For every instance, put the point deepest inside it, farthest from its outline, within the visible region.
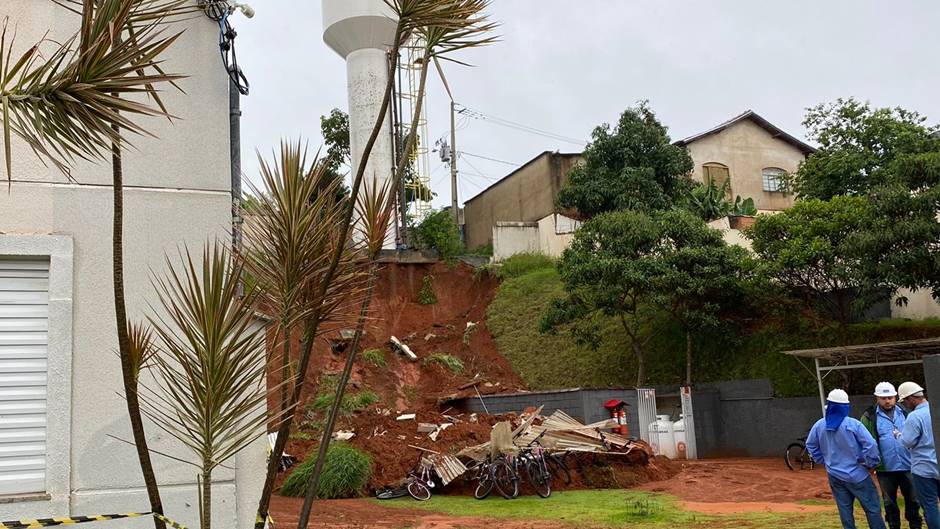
(835, 414)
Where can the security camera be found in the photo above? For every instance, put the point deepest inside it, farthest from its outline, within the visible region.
(246, 9)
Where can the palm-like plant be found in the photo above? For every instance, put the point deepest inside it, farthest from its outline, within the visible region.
(66, 103)
(445, 26)
(292, 239)
(210, 364)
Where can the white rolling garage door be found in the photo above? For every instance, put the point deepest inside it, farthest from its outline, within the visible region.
(24, 302)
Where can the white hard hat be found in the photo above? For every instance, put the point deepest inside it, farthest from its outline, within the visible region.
(885, 389)
(906, 389)
(838, 396)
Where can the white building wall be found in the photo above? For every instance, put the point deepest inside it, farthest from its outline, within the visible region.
(511, 238)
(177, 193)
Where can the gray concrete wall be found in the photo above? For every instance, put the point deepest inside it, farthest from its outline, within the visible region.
(177, 193)
(525, 195)
(735, 418)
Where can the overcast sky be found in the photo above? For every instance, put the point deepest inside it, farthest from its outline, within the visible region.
(568, 70)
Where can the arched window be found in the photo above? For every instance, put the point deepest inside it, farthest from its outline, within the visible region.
(774, 179)
(717, 174)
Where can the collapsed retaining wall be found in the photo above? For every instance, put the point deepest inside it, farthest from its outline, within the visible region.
(735, 418)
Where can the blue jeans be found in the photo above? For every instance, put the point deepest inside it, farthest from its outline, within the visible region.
(927, 494)
(845, 494)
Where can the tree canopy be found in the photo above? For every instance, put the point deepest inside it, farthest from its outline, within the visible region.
(632, 265)
(632, 166)
(859, 147)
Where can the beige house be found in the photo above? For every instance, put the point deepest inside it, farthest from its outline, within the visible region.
(752, 155)
(524, 195)
(517, 213)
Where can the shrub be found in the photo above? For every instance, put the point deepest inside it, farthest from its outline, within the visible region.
(351, 402)
(523, 263)
(449, 361)
(345, 474)
(427, 295)
(438, 232)
(374, 356)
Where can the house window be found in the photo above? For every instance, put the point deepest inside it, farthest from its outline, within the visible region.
(24, 324)
(717, 174)
(774, 179)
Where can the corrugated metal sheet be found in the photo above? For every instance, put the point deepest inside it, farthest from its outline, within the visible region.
(646, 411)
(24, 316)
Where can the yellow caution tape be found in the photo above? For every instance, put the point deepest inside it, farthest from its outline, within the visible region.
(72, 520)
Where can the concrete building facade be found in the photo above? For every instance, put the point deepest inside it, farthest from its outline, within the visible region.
(525, 195)
(63, 419)
(752, 155)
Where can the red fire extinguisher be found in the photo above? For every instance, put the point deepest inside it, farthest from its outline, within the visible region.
(618, 414)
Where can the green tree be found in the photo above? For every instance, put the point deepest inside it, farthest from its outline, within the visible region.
(438, 232)
(633, 166)
(609, 270)
(817, 250)
(891, 157)
(703, 280)
(858, 147)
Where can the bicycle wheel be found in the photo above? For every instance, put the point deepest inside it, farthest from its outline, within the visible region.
(485, 486)
(506, 480)
(794, 456)
(419, 491)
(559, 470)
(806, 461)
(539, 477)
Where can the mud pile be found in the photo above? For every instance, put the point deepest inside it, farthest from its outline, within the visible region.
(407, 387)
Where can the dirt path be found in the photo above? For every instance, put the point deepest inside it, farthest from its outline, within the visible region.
(726, 486)
(745, 485)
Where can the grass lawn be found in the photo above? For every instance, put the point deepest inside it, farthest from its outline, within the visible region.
(617, 509)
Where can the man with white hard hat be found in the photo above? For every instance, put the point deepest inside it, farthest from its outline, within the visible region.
(917, 436)
(850, 453)
(885, 421)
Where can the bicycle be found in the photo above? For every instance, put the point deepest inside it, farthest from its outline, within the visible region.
(420, 480)
(796, 455)
(482, 472)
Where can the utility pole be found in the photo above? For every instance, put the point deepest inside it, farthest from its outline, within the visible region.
(453, 164)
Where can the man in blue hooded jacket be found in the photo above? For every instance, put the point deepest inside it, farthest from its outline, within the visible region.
(850, 453)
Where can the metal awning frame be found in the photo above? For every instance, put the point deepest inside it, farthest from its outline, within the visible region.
(864, 356)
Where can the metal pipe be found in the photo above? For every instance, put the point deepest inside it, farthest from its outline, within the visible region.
(873, 364)
(822, 392)
(235, 156)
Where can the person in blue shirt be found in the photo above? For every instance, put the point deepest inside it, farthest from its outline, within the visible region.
(885, 421)
(850, 454)
(917, 436)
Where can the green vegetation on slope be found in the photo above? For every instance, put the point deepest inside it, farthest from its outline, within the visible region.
(547, 361)
(346, 471)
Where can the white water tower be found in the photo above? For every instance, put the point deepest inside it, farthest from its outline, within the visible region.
(361, 32)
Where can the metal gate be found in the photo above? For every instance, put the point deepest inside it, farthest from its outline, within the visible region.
(646, 413)
(685, 395)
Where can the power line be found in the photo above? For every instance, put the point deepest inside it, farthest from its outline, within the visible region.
(476, 114)
(480, 173)
(462, 153)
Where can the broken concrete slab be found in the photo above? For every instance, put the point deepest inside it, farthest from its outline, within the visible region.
(404, 349)
(424, 427)
(343, 435)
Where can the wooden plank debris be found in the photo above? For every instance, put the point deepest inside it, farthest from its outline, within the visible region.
(406, 417)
